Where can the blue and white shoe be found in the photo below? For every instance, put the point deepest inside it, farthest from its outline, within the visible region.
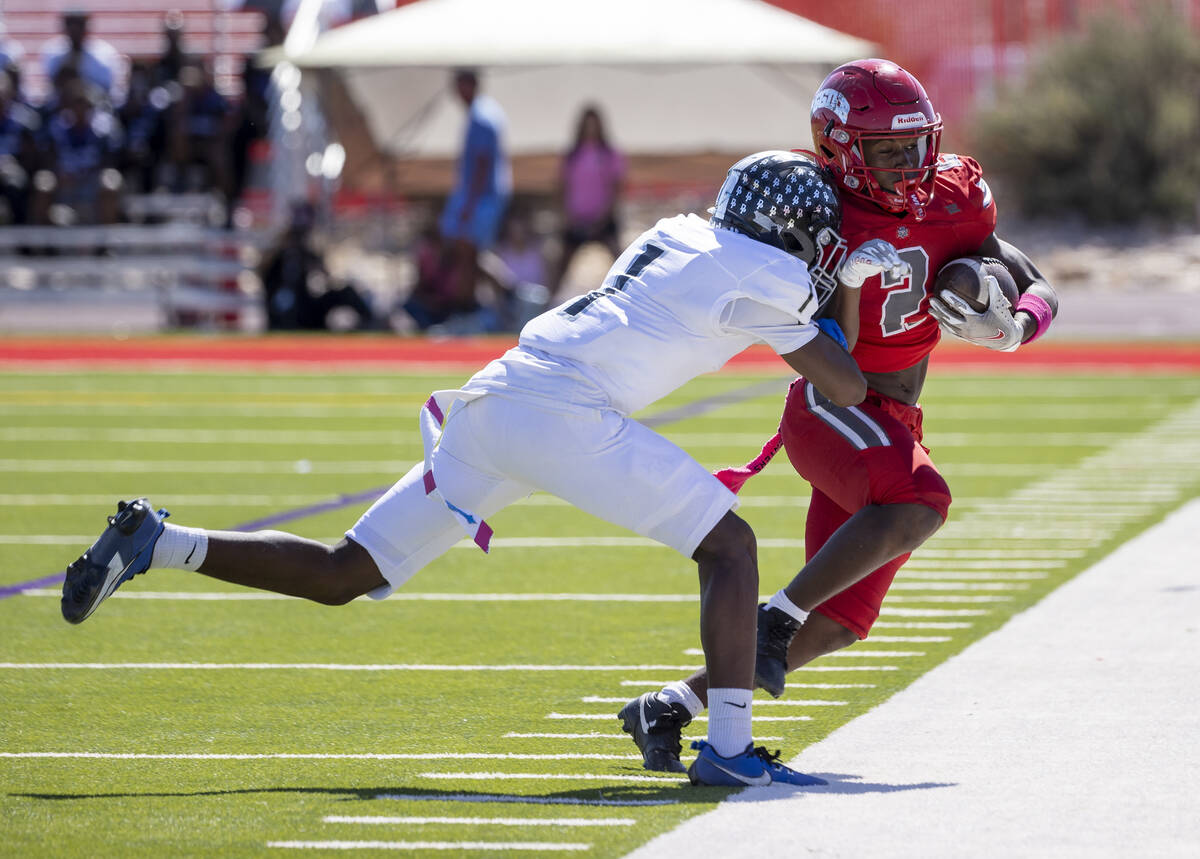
(122, 552)
(753, 767)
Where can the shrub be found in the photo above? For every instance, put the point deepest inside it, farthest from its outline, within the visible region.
(1106, 125)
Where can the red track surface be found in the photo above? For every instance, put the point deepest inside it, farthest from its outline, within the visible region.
(470, 353)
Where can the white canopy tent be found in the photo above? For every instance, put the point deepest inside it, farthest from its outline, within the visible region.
(670, 76)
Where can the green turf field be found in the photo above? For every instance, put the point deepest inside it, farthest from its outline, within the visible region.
(475, 710)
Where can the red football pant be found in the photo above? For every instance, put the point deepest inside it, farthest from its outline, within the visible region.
(853, 457)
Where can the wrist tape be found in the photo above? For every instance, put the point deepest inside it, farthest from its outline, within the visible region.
(1039, 309)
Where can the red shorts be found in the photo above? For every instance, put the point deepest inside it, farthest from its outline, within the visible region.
(855, 456)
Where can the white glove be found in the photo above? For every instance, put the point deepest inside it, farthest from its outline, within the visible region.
(994, 327)
(872, 257)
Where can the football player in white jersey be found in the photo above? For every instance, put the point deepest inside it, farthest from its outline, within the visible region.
(553, 414)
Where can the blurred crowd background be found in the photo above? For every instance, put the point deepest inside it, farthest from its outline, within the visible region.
(294, 164)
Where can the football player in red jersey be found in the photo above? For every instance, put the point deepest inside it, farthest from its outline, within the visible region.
(876, 494)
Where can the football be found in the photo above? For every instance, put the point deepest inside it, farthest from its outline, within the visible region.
(965, 278)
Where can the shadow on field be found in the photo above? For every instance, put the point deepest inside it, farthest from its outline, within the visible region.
(849, 785)
(674, 794)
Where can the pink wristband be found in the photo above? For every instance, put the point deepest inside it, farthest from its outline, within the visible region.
(1039, 309)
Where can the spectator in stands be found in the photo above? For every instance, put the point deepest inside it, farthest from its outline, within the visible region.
(299, 293)
(11, 55)
(170, 63)
(522, 271)
(432, 299)
(142, 118)
(96, 60)
(482, 188)
(251, 124)
(590, 184)
(197, 128)
(84, 145)
(19, 127)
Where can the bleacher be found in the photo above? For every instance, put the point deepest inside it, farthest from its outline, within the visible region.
(172, 262)
(135, 29)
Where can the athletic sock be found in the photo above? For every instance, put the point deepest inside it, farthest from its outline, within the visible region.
(785, 605)
(180, 548)
(729, 731)
(678, 692)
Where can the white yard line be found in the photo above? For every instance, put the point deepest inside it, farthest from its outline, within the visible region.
(791, 702)
(520, 799)
(319, 756)
(1068, 733)
(499, 776)
(325, 666)
(382, 820)
(543, 846)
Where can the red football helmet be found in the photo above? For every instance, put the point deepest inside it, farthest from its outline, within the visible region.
(869, 100)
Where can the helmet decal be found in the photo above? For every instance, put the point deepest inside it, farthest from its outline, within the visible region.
(833, 101)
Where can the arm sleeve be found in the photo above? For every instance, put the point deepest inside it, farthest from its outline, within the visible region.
(780, 330)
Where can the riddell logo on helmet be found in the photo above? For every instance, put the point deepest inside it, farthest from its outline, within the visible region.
(908, 120)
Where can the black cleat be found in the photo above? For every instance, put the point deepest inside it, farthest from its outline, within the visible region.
(656, 727)
(775, 632)
(122, 552)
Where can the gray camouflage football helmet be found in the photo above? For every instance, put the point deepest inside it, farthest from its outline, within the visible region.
(786, 200)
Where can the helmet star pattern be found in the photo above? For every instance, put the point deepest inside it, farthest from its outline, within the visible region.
(785, 200)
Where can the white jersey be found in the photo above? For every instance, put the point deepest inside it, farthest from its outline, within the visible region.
(680, 301)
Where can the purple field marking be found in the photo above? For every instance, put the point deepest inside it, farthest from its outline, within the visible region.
(13, 590)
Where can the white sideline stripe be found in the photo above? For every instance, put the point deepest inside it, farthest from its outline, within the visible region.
(483, 821)
(320, 756)
(595, 699)
(477, 776)
(597, 717)
(328, 666)
(655, 683)
(884, 624)
(518, 799)
(430, 845)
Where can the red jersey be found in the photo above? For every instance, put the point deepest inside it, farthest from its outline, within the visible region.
(896, 330)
